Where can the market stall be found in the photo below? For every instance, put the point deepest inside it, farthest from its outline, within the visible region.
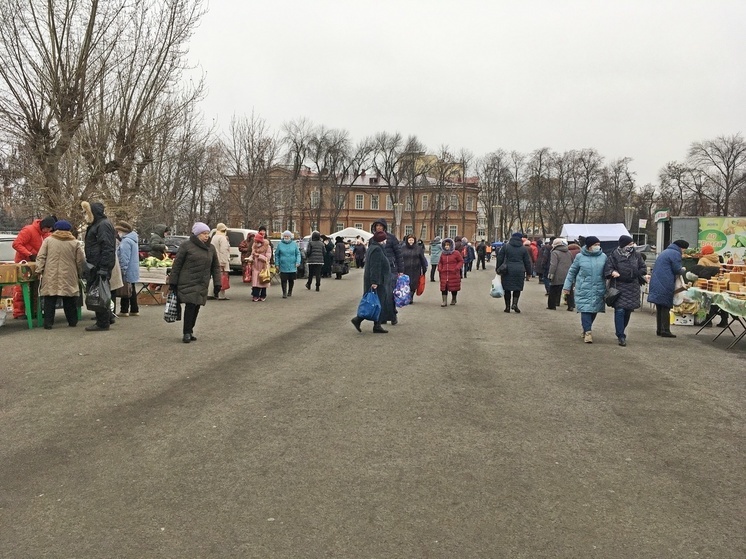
(21, 274)
(728, 292)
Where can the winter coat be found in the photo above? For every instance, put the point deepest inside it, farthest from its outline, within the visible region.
(574, 249)
(632, 270)
(392, 248)
(543, 259)
(244, 247)
(560, 261)
(709, 261)
(378, 271)
(415, 264)
(326, 269)
(449, 268)
(223, 248)
(482, 249)
(157, 241)
(28, 242)
(100, 240)
(359, 251)
(261, 257)
(340, 252)
(193, 266)
(315, 250)
(468, 253)
(61, 263)
(435, 250)
(519, 264)
(587, 273)
(667, 266)
(533, 251)
(129, 258)
(287, 256)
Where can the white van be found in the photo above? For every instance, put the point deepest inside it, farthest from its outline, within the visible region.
(235, 236)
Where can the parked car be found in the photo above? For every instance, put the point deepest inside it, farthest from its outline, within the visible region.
(172, 246)
(235, 237)
(649, 254)
(7, 252)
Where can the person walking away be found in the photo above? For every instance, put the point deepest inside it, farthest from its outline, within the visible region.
(626, 270)
(481, 253)
(340, 255)
(559, 264)
(260, 259)
(393, 251)
(449, 271)
(158, 241)
(527, 244)
(100, 253)
(27, 244)
(435, 250)
(195, 263)
(377, 276)
(359, 253)
(326, 269)
(533, 252)
(712, 261)
(287, 258)
(471, 256)
(587, 273)
(519, 268)
(223, 249)
(315, 257)
(129, 264)
(415, 263)
(668, 265)
(59, 266)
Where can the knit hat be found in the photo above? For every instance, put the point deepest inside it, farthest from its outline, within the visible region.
(62, 225)
(48, 222)
(624, 240)
(338, 239)
(287, 234)
(517, 235)
(123, 226)
(221, 227)
(259, 238)
(379, 236)
(558, 241)
(199, 227)
(707, 249)
(590, 241)
(681, 243)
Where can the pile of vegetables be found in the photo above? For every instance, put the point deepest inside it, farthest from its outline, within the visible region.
(153, 262)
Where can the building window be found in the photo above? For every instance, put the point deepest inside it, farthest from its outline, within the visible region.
(374, 201)
(314, 226)
(315, 198)
(441, 201)
(358, 226)
(408, 230)
(340, 226)
(439, 229)
(424, 202)
(373, 180)
(423, 231)
(276, 226)
(469, 204)
(359, 201)
(389, 202)
(452, 231)
(409, 205)
(341, 199)
(453, 205)
(481, 233)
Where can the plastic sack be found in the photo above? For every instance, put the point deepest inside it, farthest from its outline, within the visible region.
(369, 307)
(3, 315)
(497, 290)
(421, 285)
(402, 292)
(98, 295)
(678, 291)
(172, 310)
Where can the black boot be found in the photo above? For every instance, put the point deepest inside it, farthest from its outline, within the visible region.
(507, 301)
(515, 308)
(378, 330)
(453, 298)
(356, 322)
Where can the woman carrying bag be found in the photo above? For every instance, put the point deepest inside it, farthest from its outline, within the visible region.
(625, 269)
(377, 277)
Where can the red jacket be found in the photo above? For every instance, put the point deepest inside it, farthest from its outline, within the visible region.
(28, 242)
(533, 251)
(449, 268)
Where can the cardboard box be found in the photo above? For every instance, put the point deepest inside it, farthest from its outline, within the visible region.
(684, 319)
(153, 295)
(8, 273)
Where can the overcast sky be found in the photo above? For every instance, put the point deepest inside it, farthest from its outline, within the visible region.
(640, 79)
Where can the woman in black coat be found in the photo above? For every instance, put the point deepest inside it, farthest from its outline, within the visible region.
(315, 257)
(194, 264)
(626, 271)
(377, 276)
(415, 263)
(519, 267)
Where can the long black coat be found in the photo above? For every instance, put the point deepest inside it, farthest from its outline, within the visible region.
(194, 264)
(632, 269)
(378, 271)
(100, 241)
(415, 264)
(519, 264)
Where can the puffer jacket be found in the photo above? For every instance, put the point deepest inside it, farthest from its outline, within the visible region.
(193, 266)
(129, 259)
(157, 242)
(449, 268)
(340, 251)
(519, 264)
(223, 248)
(28, 242)
(667, 266)
(560, 261)
(631, 268)
(287, 256)
(435, 250)
(100, 240)
(315, 250)
(587, 273)
(60, 263)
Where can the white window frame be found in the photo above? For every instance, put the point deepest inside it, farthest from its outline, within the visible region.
(358, 226)
(453, 202)
(409, 204)
(425, 202)
(375, 202)
(359, 201)
(315, 199)
(453, 231)
(408, 230)
(340, 226)
(469, 203)
(441, 230)
(389, 202)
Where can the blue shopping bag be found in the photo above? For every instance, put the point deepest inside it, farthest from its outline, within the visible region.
(402, 291)
(369, 307)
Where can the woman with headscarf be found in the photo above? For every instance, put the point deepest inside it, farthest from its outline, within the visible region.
(518, 264)
(587, 273)
(560, 261)
(223, 248)
(415, 263)
(59, 266)
(449, 271)
(626, 270)
(377, 276)
(260, 259)
(194, 265)
(287, 258)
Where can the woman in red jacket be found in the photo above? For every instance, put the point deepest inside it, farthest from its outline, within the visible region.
(27, 245)
(449, 268)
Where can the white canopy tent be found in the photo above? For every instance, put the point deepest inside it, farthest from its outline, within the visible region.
(349, 234)
(604, 231)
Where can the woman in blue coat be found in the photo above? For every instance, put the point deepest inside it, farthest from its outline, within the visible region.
(287, 258)
(587, 273)
(667, 267)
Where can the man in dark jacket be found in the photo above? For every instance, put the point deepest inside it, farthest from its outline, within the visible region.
(392, 250)
(481, 253)
(100, 253)
(158, 241)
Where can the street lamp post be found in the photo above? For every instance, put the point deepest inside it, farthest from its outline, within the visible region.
(398, 212)
(629, 213)
(497, 214)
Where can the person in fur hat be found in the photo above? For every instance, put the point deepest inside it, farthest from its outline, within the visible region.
(261, 256)
(100, 253)
(340, 256)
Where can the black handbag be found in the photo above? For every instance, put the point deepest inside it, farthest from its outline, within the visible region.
(502, 269)
(612, 294)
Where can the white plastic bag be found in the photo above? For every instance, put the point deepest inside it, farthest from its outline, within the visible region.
(3, 314)
(678, 291)
(497, 290)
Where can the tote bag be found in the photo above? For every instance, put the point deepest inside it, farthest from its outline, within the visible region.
(369, 307)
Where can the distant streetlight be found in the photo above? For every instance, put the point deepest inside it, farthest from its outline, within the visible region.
(629, 213)
(398, 212)
(497, 213)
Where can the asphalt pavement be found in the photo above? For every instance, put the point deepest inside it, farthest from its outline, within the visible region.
(464, 432)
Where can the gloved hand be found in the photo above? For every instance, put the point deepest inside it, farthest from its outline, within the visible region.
(31, 258)
(216, 291)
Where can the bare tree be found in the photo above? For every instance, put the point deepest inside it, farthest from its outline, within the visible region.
(723, 162)
(494, 178)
